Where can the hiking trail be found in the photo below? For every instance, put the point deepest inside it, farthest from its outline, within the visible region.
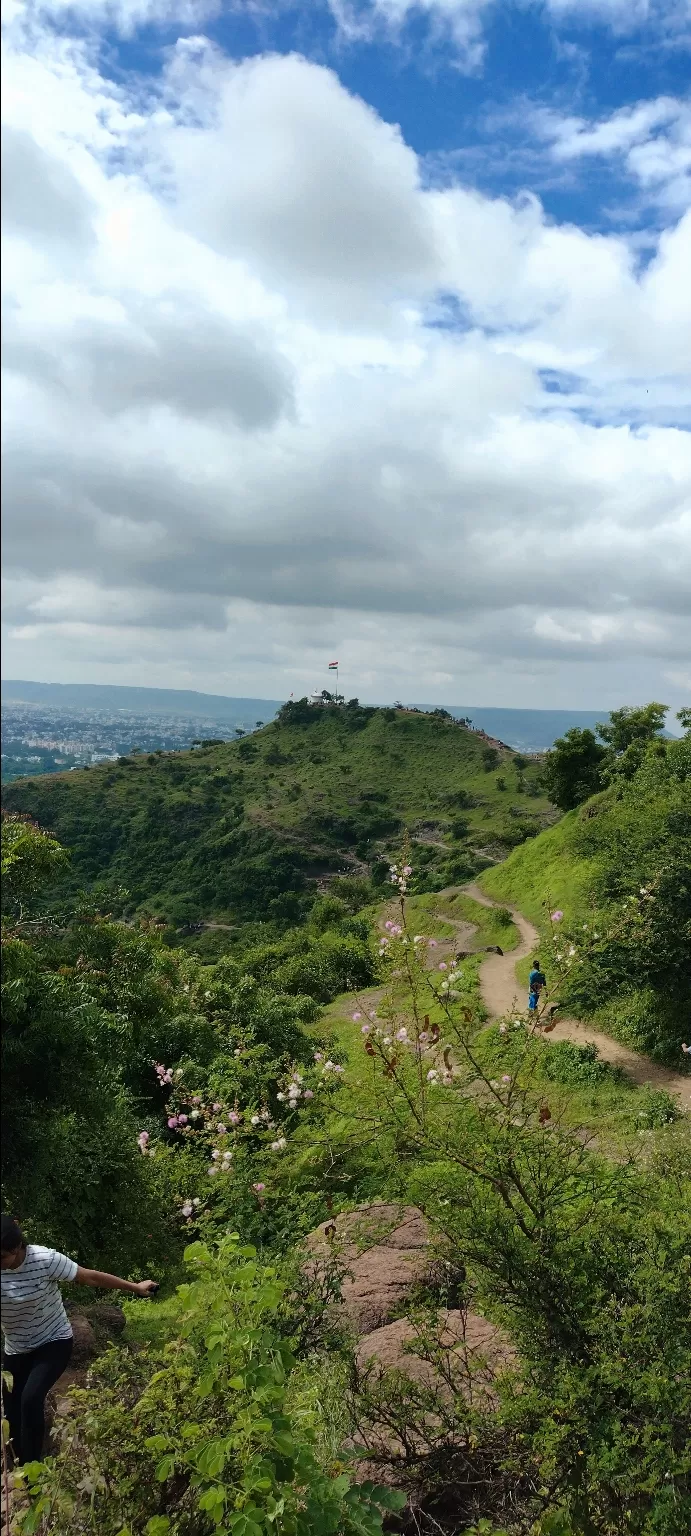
(501, 992)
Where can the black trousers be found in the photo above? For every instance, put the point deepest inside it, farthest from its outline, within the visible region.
(33, 1375)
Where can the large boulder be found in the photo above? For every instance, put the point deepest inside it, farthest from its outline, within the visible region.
(385, 1249)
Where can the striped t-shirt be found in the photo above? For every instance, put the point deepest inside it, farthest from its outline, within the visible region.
(32, 1309)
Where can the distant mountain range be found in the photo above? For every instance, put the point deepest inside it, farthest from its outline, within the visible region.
(526, 730)
(137, 701)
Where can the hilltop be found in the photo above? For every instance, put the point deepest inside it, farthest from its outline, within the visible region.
(247, 830)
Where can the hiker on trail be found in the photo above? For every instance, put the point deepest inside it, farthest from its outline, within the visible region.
(37, 1333)
(536, 981)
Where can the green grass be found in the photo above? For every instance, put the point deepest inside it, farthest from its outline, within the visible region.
(239, 831)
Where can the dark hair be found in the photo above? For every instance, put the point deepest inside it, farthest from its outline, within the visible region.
(11, 1236)
(536, 961)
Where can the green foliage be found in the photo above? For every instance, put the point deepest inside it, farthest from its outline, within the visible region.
(31, 858)
(573, 768)
(243, 831)
(198, 1437)
(620, 869)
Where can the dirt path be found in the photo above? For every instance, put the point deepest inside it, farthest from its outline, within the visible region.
(501, 992)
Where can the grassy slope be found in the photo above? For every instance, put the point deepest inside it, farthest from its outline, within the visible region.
(291, 800)
(594, 858)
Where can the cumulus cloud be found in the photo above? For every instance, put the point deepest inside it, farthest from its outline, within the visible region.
(241, 429)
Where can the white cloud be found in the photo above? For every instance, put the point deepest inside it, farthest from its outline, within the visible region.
(233, 442)
(652, 139)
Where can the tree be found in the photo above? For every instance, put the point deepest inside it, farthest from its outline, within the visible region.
(490, 758)
(573, 770)
(629, 734)
(628, 725)
(684, 718)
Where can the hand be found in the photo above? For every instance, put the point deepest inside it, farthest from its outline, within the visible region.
(146, 1288)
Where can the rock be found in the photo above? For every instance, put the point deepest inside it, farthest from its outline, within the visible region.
(461, 1332)
(106, 1318)
(493, 949)
(386, 1251)
(85, 1345)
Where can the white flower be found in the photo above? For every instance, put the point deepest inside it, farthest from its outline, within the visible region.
(212, 1171)
(196, 1200)
(432, 1075)
(418, 938)
(187, 1208)
(215, 1152)
(502, 1029)
(195, 1114)
(386, 1040)
(444, 986)
(278, 1146)
(255, 1120)
(281, 1099)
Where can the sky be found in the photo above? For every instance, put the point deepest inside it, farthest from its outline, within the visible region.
(349, 329)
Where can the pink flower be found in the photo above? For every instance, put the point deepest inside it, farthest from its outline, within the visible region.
(259, 1188)
(432, 943)
(388, 925)
(182, 1119)
(144, 1135)
(233, 1117)
(308, 1094)
(221, 1129)
(216, 1107)
(506, 1078)
(187, 1208)
(172, 1122)
(356, 1016)
(402, 1035)
(319, 1056)
(557, 916)
(442, 965)
(407, 869)
(365, 1029)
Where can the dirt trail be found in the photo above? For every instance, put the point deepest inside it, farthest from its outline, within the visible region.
(501, 992)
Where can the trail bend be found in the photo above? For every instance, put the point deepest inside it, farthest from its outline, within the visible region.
(501, 992)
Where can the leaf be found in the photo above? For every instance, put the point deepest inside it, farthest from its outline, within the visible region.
(158, 1525)
(165, 1468)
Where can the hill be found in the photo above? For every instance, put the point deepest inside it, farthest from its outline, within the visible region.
(246, 830)
(619, 867)
(139, 701)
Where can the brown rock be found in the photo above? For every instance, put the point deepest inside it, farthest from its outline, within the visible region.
(85, 1345)
(385, 1248)
(106, 1318)
(461, 1332)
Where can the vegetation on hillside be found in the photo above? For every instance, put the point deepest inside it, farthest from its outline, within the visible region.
(620, 867)
(243, 831)
(259, 1082)
(233, 1412)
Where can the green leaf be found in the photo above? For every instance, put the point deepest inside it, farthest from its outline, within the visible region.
(158, 1525)
(165, 1468)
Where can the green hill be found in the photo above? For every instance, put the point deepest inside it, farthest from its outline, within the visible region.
(243, 831)
(621, 863)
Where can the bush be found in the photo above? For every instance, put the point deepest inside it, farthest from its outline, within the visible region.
(199, 1437)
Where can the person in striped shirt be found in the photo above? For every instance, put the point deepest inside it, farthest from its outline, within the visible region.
(37, 1334)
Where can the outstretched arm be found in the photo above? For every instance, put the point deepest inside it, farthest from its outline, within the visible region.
(97, 1277)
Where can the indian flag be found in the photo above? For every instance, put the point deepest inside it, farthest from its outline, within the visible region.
(333, 666)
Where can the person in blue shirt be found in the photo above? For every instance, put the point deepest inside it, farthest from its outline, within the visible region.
(536, 981)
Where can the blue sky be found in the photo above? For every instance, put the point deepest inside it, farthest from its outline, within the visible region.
(354, 328)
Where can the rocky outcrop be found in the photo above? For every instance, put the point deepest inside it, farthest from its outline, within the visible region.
(385, 1249)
